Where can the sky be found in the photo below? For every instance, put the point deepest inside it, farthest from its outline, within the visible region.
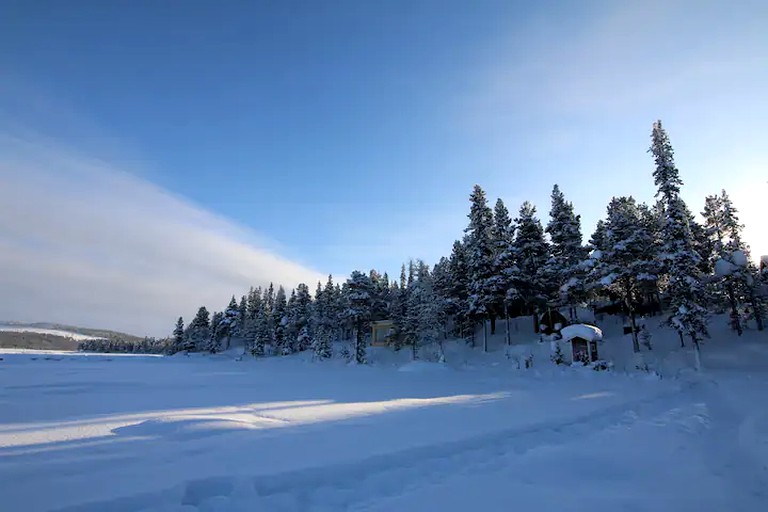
(159, 156)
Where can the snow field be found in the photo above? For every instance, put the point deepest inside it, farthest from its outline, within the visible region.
(285, 434)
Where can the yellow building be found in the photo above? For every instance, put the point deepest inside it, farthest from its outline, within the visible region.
(381, 331)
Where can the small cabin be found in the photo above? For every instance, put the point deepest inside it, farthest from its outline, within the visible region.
(582, 340)
(381, 333)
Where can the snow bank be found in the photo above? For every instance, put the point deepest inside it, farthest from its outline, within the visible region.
(422, 367)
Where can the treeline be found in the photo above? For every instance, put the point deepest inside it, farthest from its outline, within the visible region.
(123, 346)
(639, 255)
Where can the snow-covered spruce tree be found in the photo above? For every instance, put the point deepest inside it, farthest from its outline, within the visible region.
(322, 343)
(503, 265)
(480, 254)
(281, 342)
(254, 303)
(379, 309)
(441, 287)
(269, 308)
(250, 332)
(303, 317)
(458, 291)
(413, 305)
(739, 276)
(599, 239)
(178, 336)
(335, 308)
(684, 287)
(627, 261)
(399, 310)
(665, 176)
(217, 332)
(322, 324)
(329, 309)
(263, 320)
(532, 253)
(242, 314)
(199, 331)
(567, 252)
(230, 323)
(357, 296)
(292, 321)
(424, 305)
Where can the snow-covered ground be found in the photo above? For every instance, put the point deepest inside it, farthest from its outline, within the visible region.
(104, 432)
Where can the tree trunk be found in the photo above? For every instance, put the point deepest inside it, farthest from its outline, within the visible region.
(358, 340)
(735, 321)
(682, 340)
(493, 324)
(757, 308)
(485, 336)
(509, 340)
(697, 353)
(633, 326)
(535, 321)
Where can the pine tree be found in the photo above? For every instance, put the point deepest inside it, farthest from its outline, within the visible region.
(230, 321)
(500, 282)
(599, 239)
(564, 266)
(739, 277)
(198, 331)
(399, 310)
(458, 290)
(250, 334)
(292, 322)
(480, 255)
(532, 254)
(281, 345)
(424, 311)
(242, 314)
(378, 297)
(441, 287)
(627, 262)
(263, 321)
(178, 336)
(322, 343)
(217, 332)
(302, 317)
(665, 176)
(359, 302)
(254, 303)
(685, 288)
(331, 307)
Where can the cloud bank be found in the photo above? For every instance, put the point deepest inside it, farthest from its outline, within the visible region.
(83, 242)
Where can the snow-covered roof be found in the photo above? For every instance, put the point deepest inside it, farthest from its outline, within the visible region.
(584, 331)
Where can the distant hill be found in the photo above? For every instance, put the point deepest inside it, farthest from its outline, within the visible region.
(51, 336)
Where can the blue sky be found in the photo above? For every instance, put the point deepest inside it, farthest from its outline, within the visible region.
(331, 136)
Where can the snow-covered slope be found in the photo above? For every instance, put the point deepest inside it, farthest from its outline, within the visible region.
(53, 332)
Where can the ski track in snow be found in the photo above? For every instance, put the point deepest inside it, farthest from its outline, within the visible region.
(354, 485)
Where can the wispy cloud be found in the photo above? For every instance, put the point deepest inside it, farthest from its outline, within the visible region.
(84, 242)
